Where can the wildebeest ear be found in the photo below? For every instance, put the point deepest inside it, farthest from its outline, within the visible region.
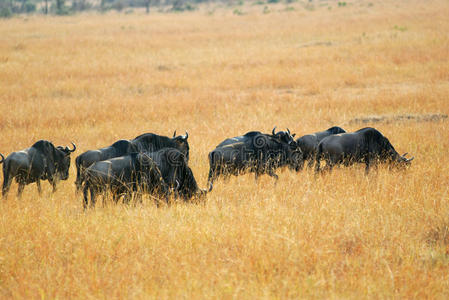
(293, 135)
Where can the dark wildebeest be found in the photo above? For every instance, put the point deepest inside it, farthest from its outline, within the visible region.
(135, 172)
(253, 152)
(172, 164)
(42, 161)
(309, 143)
(145, 142)
(366, 145)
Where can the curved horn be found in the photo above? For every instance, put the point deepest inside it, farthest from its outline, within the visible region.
(288, 130)
(174, 133)
(3, 158)
(273, 132)
(403, 155)
(186, 136)
(74, 147)
(409, 159)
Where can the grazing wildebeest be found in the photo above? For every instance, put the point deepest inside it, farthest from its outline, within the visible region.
(42, 161)
(122, 176)
(145, 142)
(366, 145)
(309, 143)
(172, 164)
(253, 152)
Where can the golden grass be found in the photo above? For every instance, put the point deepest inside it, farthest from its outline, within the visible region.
(93, 79)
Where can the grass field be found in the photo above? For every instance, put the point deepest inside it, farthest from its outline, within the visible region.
(93, 79)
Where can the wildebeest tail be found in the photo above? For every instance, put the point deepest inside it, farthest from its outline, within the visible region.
(3, 158)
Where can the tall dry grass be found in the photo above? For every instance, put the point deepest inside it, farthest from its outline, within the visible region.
(93, 79)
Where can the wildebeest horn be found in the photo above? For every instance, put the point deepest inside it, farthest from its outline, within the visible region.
(74, 147)
(403, 155)
(210, 186)
(174, 133)
(3, 158)
(273, 132)
(186, 135)
(409, 159)
(288, 130)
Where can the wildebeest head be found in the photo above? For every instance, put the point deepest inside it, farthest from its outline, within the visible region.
(283, 136)
(184, 182)
(388, 153)
(400, 161)
(188, 188)
(183, 144)
(294, 157)
(62, 161)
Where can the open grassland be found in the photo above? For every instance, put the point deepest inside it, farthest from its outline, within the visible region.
(93, 79)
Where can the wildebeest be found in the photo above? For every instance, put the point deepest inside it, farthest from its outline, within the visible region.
(366, 145)
(121, 176)
(156, 173)
(42, 161)
(145, 142)
(253, 152)
(172, 164)
(309, 143)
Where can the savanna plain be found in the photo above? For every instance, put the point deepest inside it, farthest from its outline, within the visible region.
(93, 79)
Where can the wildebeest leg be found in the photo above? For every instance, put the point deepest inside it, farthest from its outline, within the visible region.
(213, 174)
(92, 197)
(85, 194)
(367, 162)
(6, 184)
(78, 182)
(39, 189)
(317, 162)
(20, 189)
(53, 183)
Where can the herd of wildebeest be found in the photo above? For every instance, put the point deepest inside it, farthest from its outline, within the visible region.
(158, 165)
